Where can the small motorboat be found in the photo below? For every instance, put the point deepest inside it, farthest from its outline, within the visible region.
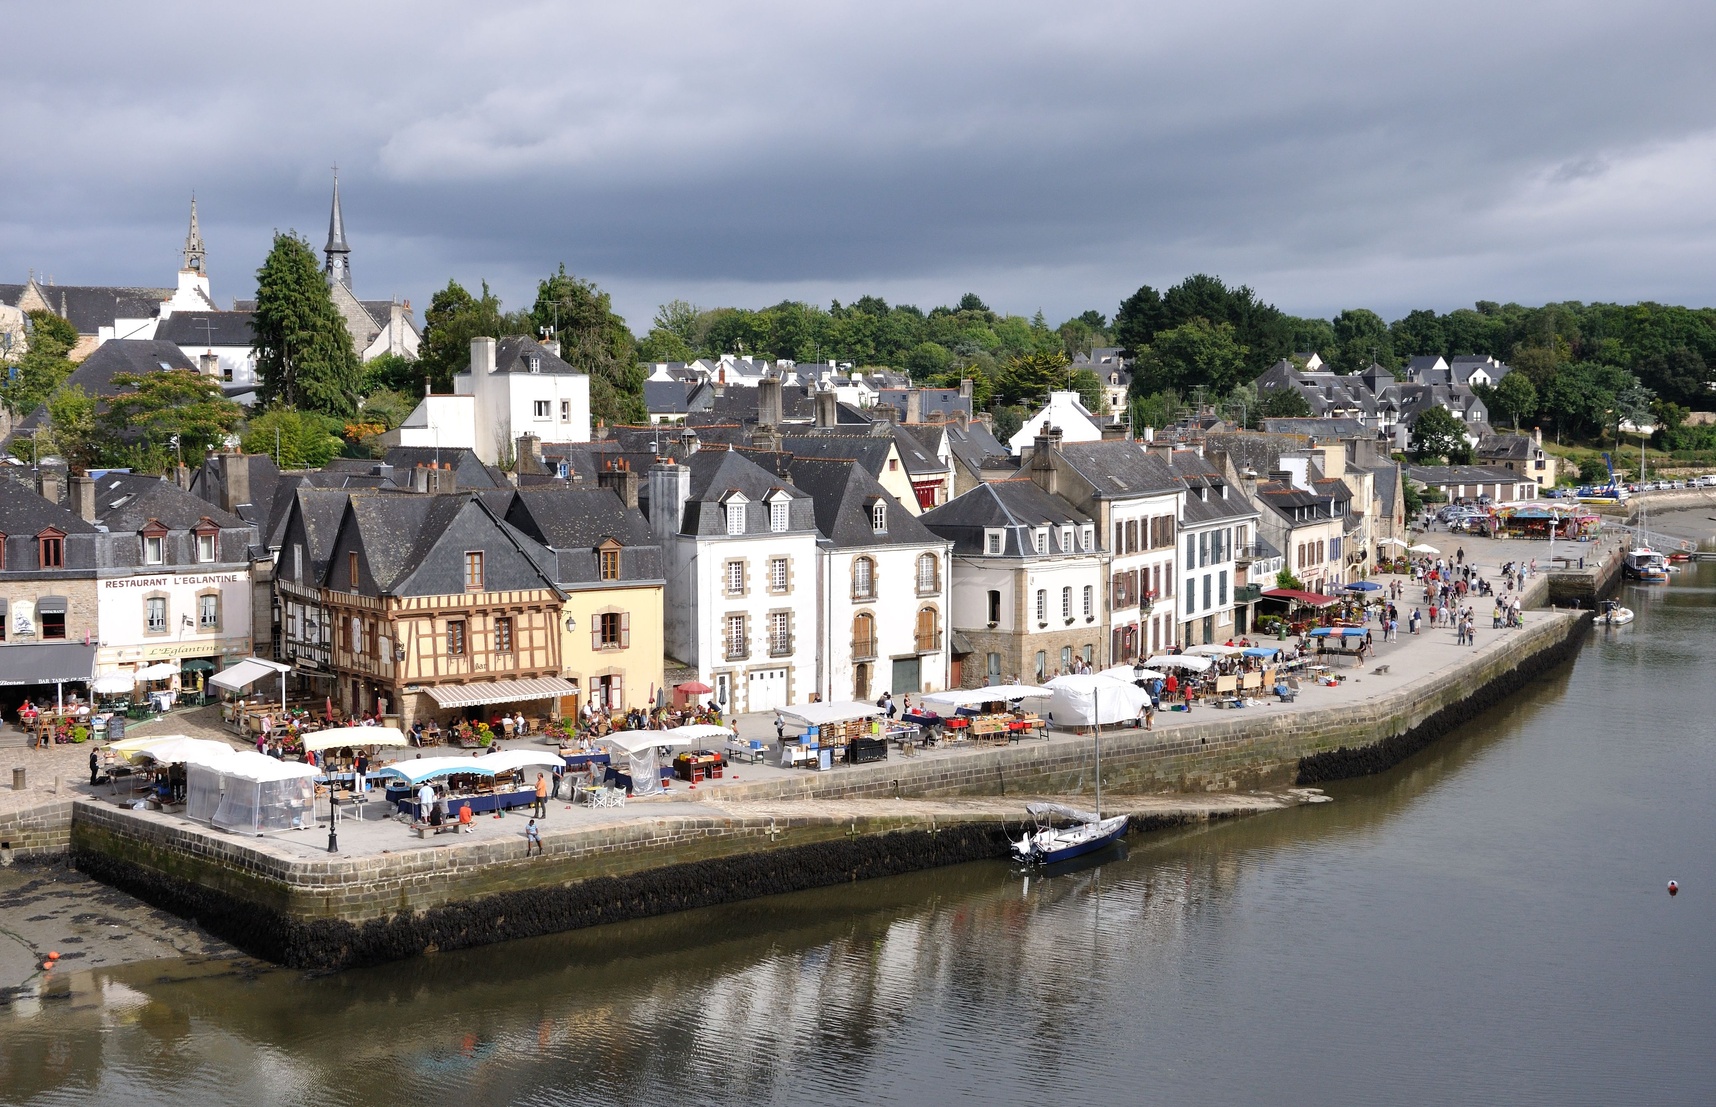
(1645, 564)
(1614, 615)
(1049, 843)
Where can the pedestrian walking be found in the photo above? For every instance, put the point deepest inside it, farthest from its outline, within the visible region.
(94, 767)
(559, 777)
(532, 837)
(541, 796)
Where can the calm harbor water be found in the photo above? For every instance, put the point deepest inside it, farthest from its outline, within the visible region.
(1485, 924)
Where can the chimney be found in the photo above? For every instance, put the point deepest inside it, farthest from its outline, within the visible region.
(688, 443)
(769, 401)
(619, 477)
(482, 356)
(83, 496)
(827, 411)
(50, 483)
(966, 388)
(210, 363)
(1113, 431)
(420, 478)
(182, 476)
(914, 406)
(552, 345)
(766, 438)
(721, 381)
(1043, 471)
(1537, 436)
(442, 478)
(887, 413)
(669, 488)
(234, 481)
(530, 455)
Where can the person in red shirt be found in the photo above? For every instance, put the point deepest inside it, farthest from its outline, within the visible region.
(464, 818)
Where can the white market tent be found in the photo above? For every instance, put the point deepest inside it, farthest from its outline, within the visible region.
(1423, 548)
(252, 793)
(1215, 650)
(112, 684)
(1129, 673)
(1179, 661)
(639, 747)
(355, 736)
(161, 670)
(821, 714)
(1082, 699)
(955, 698)
(186, 751)
(509, 760)
(428, 768)
(246, 673)
(700, 732)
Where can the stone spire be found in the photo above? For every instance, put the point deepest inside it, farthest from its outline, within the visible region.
(339, 266)
(194, 242)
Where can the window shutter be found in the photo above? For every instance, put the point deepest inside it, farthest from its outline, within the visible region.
(625, 630)
(617, 689)
(596, 632)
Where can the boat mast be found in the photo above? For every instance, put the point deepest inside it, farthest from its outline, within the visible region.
(1096, 724)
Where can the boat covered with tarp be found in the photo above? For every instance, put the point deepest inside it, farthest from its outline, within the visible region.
(1081, 832)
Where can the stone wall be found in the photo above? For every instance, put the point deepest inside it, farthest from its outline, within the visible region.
(36, 833)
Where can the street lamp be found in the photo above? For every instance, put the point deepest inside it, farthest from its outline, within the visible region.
(333, 817)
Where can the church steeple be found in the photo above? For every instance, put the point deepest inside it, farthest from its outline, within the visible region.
(194, 242)
(339, 266)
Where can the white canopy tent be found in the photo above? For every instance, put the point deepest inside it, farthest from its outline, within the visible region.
(252, 793)
(161, 670)
(186, 751)
(510, 760)
(821, 714)
(428, 768)
(1130, 673)
(955, 698)
(113, 684)
(342, 736)
(1179, 661)
(639, 747)
(1215, 649)
(1083, 699)
(246, 673)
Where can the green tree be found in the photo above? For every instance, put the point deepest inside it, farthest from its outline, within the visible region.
(1513, 397)
(927, 361)
(295, 439)
(1360, 338)
(1418, 334)
(1195, 354)
(42, 367)
(304, 354)
(664, 345)
(594, 339)
(454, 318)
(1438, 433)
(394, 372)
(163, 416)
(1284, 578)
(1090, 392)
(1283, 403)
(1029, 378)
(73, 433)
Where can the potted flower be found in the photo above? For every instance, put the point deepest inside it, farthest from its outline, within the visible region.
(485, 736)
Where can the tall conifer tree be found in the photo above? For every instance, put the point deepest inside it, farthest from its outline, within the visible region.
(304, 353)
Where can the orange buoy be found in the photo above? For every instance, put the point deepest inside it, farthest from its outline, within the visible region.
(53, 955)
(1674, 887)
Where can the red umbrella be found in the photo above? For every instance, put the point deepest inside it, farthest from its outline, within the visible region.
(329, 713)
(694, 687)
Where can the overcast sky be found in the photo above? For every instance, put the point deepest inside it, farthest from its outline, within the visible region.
(1053, 156)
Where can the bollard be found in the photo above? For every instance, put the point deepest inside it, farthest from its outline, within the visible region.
(18, 778)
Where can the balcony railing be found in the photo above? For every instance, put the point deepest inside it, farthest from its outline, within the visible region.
(928, 643)
(1247, 593)
(738, 651)
(863, 593)
(1245, 555)
(929, 586)
(780, 645)
(863, 649)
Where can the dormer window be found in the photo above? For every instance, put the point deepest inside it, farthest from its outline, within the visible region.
(735, 509)
(994, 542)
(154, 544)
(533, 362)
(879, 517)
(779, 517)
(1041, 540)
(208, 540)
(1066, 539)
(1087, 537)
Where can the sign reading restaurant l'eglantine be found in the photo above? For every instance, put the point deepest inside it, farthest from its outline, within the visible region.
(165, 582)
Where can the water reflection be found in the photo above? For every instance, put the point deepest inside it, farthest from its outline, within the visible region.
(1482, 923)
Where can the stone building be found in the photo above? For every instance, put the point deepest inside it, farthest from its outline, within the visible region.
(1028, 578)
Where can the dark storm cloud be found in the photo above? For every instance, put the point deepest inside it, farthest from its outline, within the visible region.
(1329, 154)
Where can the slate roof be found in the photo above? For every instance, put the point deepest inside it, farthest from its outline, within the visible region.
(121, 355)
(24, 512)
(91, 307)
(716, 474)
(320, 511)
(862, 450)
(207, 328)
(938, 404)
(513, 353)
(1463, 474)
(397, 531)
(843, 495)
(1205, 501)
(1317, 428)
(265, 507)
(918, 458)
(565, 517)
(467, 467)
(1120, 468)
(1017, 506)
(665, 397)
(130, 501)
(972, 443)
(1506, 447)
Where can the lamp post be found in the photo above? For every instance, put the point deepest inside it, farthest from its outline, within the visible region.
(333, 817)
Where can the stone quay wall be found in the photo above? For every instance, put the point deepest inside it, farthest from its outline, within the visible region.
(38, 832)
(324, 915)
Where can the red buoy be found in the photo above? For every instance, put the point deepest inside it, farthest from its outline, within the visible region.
(53, 955)
(1674, 888)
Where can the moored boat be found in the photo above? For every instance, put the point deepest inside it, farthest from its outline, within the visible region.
(1644, 564)
(1614, 615)
(1049, 844)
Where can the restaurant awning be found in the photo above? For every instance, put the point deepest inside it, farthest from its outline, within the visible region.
(340, 737)
(500, 691)
(46, 663)
(1310, 599)
(245, 673)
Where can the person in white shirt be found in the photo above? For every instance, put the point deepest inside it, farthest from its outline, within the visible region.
(425, 802)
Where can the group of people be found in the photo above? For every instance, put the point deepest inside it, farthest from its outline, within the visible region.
(597, 721)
